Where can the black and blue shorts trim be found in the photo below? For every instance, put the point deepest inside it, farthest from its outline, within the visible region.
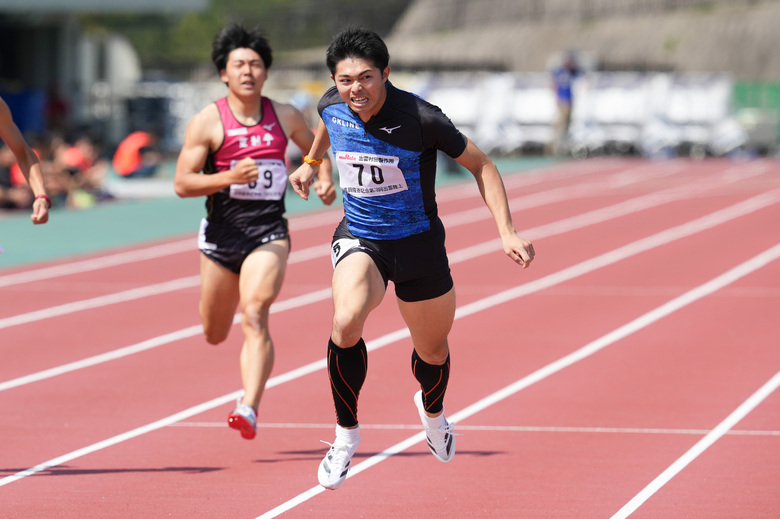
(417, 265)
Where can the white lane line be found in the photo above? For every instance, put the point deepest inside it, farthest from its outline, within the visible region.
(606, 259)
(702, 445)
(192, 411)
(160, 340)
(297, 223)
(651, 242)
(586, 351)
(100, 301)
(146, 253)
(492, 428)
(633, 205)
(111, 260)
(568, 224)
(631, 249)
(616, 179)
(124, 296)
(622, 208)
(522, 179)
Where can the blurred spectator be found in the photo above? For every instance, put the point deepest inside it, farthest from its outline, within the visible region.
(563, 78)
(88, 172)
(58, 177)
(75, 174)
(137, 155)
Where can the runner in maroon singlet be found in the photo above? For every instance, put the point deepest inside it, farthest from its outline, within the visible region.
(238, 143)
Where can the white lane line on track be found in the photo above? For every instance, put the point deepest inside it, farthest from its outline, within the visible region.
(624, 331)
(656, 240)
(323, 250)
(299, 222)
(100, 301)
(146, 253)
(192, 331)
(567, 224)
(321, 218)
(122, 437)
(120, 258)
(552, 173)
(491, 428)
(614, 180)
(702, 445)
(124, 296)
(608, 258)
(465, 217)
(633, 205)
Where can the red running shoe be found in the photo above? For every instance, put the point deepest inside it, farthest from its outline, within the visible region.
(244, 419)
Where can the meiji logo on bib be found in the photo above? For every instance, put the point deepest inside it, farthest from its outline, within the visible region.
(368, 174)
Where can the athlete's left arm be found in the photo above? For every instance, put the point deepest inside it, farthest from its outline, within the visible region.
(491, 187)
(299, 132)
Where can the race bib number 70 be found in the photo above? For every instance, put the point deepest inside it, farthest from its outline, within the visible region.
(366, 174)
(270, 184)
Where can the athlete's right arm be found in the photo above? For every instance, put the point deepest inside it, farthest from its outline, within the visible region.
(204, 134)
(28, 163)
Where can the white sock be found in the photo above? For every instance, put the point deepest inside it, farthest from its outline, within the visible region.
(350, 436)
(434, 422)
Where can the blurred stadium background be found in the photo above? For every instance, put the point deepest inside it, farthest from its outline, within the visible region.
(663, 77)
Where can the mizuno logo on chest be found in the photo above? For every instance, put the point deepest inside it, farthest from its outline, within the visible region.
(390, 130)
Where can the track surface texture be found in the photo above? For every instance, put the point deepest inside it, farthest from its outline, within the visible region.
(632, 371)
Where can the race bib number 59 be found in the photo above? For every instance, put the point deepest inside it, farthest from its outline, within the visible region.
(366, 174)
(270, 184)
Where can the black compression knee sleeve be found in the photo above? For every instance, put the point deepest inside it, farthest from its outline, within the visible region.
(347, 371)
(433, 382)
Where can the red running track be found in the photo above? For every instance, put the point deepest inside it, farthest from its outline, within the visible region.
(632, 371)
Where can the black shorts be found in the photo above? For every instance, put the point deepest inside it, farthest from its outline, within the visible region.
(417, 264)
(228, 246)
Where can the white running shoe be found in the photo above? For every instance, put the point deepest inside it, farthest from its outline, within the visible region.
(335, 466)
(244, 419)
(441, 440)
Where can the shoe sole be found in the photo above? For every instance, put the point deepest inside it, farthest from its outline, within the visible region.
(239, 423)
(435, 455)
(334, 485)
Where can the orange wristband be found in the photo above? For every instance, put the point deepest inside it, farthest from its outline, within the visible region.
(313, 162)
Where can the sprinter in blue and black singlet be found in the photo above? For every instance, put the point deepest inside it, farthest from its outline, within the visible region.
(387, 173)
(384, 141)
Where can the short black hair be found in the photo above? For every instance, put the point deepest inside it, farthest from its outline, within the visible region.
(357, 42)
(234, 37)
